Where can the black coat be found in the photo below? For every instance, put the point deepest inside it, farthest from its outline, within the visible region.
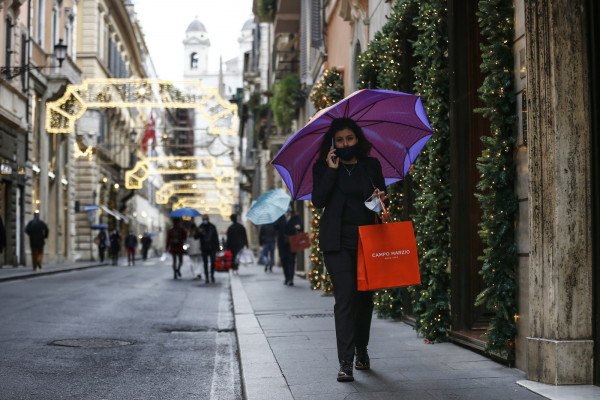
(236, 237)
(326, 193)
(37, 231)
(267, 234)
(209, 238)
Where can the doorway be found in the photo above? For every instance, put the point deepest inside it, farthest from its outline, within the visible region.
(469, 322)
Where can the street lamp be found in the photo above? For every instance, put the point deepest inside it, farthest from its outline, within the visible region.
(60, 52)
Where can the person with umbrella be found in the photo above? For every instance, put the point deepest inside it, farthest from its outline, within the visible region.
(354, 148)
(176, 237)
(236, 239)
(344, 176)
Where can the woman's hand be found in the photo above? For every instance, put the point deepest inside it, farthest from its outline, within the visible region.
(379, 193)
(332, 164)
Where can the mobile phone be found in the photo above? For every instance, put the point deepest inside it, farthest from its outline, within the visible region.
(333, 147)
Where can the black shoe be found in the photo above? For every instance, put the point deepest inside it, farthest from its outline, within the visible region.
(179, 273)
(291, 283)
(207, 281)
(285, 283)
(212, 278)
(362, 358)
(345, 372)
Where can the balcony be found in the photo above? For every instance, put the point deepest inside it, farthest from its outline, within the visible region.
(287, 17)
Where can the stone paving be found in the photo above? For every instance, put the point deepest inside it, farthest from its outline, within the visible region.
(288, 351)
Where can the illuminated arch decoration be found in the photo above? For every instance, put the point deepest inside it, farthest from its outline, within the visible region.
(225, 209)
(222, 186)
(132, 93)
(207, 167)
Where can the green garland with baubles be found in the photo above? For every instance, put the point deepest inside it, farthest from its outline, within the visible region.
(496, 194)
(326, 92)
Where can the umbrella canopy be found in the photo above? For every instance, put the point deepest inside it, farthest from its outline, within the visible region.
(99, 226)
(269, 207)
(185, 212)
(394, 122)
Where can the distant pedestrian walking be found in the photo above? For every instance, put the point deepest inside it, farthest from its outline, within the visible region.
(146, 243)
(193, 251)
(102, 242)
(266, 238)
(115, 246)
(293, 226)
(236, 239)
(38, 232)
(209, 244)
(131, 243)
(176, 237)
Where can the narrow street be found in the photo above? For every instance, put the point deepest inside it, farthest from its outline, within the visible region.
(118, 332)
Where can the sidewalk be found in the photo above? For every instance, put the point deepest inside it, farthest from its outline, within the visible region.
(22, 272)
(287, 347)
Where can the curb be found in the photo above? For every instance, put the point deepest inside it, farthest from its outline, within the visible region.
(33, 274)
(262, 378)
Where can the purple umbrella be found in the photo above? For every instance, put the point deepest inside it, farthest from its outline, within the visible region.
(394, 122)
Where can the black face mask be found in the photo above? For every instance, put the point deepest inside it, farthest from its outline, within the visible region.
(347, 153)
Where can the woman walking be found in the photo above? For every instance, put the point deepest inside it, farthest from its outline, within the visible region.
(344, 177)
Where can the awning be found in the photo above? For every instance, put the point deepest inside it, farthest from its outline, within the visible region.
(114, 213)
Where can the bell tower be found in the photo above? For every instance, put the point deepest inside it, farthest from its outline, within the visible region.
(195, 46)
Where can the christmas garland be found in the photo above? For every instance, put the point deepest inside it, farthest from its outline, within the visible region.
(326, 92)
(387, 64)
(431, 299)
(496, 188)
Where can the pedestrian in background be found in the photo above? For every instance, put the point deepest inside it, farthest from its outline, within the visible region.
(176, 237)
(236, 240)
(102, 241)
(193, 251)
(146, 243)
(292, 227)
(280, 225)
(344, 177)
(131, 243)
(115, 246)
(38, 232)
(266, 238)
(209, 244)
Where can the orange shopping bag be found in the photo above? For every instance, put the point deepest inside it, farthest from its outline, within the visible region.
(387, 256)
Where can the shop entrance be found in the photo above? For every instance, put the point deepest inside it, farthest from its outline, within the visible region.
(469, 322)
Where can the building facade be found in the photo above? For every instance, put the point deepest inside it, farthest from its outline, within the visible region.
(555, 97)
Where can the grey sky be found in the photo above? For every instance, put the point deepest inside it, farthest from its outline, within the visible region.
(164, 24)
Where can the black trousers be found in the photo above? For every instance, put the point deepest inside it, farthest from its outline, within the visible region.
(353, 309)
(213, 260)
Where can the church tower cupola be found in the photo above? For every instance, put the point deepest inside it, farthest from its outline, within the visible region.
(195, 46)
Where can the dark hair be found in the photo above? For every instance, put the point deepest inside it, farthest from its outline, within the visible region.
(339, 124)
(233, 217)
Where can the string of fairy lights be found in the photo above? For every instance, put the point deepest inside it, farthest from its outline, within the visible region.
(412, 44)
(134, 93)
(147, 93)
(326, 92)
